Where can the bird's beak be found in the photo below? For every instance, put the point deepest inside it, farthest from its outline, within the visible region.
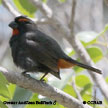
(13, 24)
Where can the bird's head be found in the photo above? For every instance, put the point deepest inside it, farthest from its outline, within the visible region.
(22, 24)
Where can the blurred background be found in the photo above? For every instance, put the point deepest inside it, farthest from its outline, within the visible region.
(90, 26)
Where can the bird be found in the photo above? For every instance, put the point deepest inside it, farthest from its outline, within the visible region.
(35, 51)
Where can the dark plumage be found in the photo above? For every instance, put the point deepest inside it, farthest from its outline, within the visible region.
(33, 50)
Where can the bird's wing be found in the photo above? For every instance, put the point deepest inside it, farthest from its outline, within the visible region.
(44, 49)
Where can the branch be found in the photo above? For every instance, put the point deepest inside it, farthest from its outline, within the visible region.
(3, 48)
(106, 2)
(82, 53)
(43, 7)
(43, 89)
(71, 25)
(75, 89)
(10, 8)
(16, 13)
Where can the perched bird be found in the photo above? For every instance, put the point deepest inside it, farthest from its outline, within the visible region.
(34, 51)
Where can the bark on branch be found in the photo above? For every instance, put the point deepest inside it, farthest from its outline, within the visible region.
(43, 89)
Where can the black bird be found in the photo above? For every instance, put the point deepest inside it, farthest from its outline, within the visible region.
(33, 50)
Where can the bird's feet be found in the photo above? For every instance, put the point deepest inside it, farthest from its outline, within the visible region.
(25, 74)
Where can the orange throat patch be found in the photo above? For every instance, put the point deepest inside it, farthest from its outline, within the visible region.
(15, 32)
(64, 64)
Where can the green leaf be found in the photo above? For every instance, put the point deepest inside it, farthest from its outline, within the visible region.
(3, 86)
(87, 37)
(62, 1)
(106, 79)
(0, 2)
(103, 31)
(86, 86)
(89, 43)
(95, 53)
(3, 79)
(87, 96)
(4, 90)
(78, 69)
(11, 89)
(25, 7)
(69, 89)
(71, 53)
(86, 92)
(2, 105)
(106, 102)
(82, 80)
(45, 1)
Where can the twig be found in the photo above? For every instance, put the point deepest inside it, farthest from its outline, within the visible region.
(43, 7)
(3, 49)
(9, 7)
(16, 13)
(81, 52)
(71, 25)
(76, 91)
(106, 2)
(43, 89)
(94, 97)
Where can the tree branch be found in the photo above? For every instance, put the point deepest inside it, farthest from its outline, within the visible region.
(16, 13)
(43, 89)
(3, 48)
(71, 25)
(75, 89)
(10, 8)
(82, 53)
(43, 7)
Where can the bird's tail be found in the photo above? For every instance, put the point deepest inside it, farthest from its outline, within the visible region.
(70, 62)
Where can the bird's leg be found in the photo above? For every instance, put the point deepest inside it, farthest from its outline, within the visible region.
(25, 74)
(34, 68)
(43, 76)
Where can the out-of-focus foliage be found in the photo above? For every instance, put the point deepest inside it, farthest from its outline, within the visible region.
(2, 105)
(69, 89)
(5, 91)
(87, 37)
(0, 2)
(61, 1)
(3, 86)
(85, 85)
(45, 1)
(25, 7)
(95, 53)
